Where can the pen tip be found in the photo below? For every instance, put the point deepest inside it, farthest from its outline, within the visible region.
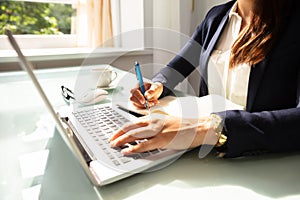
(136, 62)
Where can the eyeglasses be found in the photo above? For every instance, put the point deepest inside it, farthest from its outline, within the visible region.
(67, 94)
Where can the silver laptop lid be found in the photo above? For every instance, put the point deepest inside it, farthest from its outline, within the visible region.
(66, 133)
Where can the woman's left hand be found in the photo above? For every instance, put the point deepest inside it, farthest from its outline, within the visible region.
(166, 132)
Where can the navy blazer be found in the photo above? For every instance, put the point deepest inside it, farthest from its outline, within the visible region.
(271, 121)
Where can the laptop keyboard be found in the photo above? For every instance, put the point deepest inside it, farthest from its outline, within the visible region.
(101, 123)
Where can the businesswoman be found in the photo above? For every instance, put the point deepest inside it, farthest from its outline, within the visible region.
(248, 52)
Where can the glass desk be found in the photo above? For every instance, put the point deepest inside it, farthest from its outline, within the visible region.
(36, 163)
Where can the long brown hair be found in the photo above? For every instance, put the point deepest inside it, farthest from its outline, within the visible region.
(255, 40)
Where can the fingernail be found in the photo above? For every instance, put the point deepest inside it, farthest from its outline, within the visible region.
(148, 96)
(113, 143)
(126, 151)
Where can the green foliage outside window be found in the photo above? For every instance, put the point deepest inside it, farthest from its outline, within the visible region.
(35, 18)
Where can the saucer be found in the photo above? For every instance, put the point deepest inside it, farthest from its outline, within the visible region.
(109, 87)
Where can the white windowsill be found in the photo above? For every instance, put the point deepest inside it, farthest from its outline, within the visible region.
(10, 56)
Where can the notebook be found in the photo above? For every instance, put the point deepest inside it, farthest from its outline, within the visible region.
(86, 131)
(191, 106)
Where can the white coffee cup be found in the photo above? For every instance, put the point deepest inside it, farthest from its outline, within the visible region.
(103, 76)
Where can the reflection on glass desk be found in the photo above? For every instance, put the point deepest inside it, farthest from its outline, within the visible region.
(36, 164)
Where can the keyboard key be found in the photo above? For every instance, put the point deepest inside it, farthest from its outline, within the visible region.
(101, 123)
(117, 163)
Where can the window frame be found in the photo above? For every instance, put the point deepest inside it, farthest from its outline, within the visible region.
(32, 43)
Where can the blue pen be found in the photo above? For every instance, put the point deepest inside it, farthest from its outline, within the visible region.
(141, 82)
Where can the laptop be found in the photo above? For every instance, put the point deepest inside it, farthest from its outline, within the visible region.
(86, 131)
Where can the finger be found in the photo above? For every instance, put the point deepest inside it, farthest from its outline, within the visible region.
(154, 91)
(137, 94)
(133, 135)
(147, 85)
(151, 92)
(139, 106)
(153, 102)
(137, 87)
(127, 127)
(116, 135)
(147, 145)
(150, 104)
(134, 90)
(136, 102)
(122, 140)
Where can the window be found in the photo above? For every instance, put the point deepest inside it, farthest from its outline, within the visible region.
(70, 23)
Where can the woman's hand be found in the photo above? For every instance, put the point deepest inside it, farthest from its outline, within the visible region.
(166, 132)
(153, 92)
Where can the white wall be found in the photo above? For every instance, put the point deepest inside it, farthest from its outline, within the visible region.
(180, 16)
(174, 22)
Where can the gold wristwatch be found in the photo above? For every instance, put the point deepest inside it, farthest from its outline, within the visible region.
(217, 124)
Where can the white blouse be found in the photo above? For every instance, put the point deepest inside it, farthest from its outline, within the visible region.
(230, 83)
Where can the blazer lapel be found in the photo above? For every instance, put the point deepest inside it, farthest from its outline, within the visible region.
(206, 52)
(256, 75)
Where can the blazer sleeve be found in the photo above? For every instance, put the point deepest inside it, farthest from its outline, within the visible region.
(185, 61)
(180, 66)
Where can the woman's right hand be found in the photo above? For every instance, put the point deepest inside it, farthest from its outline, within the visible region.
(153, 92)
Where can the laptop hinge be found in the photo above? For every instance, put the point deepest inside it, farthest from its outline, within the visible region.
(83, 149)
